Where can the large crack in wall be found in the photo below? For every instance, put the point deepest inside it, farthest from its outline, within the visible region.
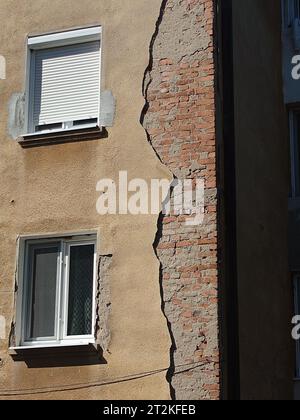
(179, 119)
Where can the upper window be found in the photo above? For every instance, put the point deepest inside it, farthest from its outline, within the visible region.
(291, 11)
(63, 90)
(58, 292)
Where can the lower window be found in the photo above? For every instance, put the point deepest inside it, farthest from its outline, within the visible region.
(58, 302)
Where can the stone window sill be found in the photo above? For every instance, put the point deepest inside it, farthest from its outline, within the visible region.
(59, 356)
(63, 136)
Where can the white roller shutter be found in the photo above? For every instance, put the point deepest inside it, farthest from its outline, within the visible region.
(66, 84)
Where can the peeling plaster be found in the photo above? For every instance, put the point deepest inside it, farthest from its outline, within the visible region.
(12, 340)
(103, 303)
(146, 83)
(16, 111)
(182, 38)
(107, 109)
(16, 115)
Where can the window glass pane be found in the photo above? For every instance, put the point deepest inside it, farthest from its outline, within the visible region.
(80, 310)
(43, 275)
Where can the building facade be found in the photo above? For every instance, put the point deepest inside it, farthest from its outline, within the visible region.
(143, 304)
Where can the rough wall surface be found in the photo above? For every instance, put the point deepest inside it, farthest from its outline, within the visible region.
(103, 298)
(52, 189)
(180, 121)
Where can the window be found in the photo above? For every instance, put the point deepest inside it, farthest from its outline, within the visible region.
(291, 12)
(295, 153)
(297, 312)
(58, 292)
(63, 87)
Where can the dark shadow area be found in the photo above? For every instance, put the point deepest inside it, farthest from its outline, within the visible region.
(226, 174)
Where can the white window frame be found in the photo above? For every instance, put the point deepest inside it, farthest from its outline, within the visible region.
(27, 297)
(61, 316)
(65, 303)
(296, 280)
(53, 40)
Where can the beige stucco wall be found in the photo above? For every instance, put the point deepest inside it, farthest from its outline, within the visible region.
(53, 189)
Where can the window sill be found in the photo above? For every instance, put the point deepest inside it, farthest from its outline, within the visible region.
(64, 355)
(62, 136)
(63, 345)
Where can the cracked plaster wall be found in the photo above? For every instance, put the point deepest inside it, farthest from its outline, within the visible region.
(180, 123)
(52, 189)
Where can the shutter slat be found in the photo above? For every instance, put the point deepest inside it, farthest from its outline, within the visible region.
(68, 64)
(63, 81)
(67, 89)
(67, 84)
(88, 68)
(68, 95)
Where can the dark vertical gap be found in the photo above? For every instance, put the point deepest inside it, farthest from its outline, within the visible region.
(228, 311)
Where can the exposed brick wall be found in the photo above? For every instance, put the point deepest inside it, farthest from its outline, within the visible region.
(180, 122)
